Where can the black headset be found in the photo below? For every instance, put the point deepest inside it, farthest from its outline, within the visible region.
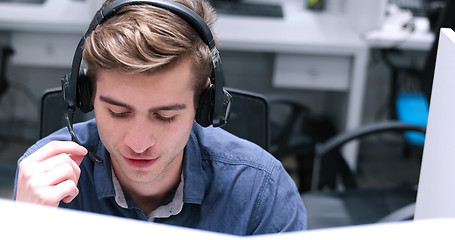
(214, 102)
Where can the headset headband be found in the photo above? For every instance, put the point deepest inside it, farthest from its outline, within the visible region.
(192, 18)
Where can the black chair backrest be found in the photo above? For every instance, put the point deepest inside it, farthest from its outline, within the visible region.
(249, 117)
(446, 20)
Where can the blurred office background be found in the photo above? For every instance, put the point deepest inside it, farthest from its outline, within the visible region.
(334, 56)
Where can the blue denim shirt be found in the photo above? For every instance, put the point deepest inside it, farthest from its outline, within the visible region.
(230, 185)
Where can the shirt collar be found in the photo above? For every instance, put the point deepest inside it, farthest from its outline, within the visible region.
(172, 208)
(119, 195)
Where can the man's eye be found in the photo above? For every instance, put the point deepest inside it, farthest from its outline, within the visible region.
(163, 118)
(118, 114)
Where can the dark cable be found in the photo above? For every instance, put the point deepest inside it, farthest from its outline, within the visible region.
(69, 114)
(69, 119)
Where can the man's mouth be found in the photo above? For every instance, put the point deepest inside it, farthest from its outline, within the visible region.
(140, 162)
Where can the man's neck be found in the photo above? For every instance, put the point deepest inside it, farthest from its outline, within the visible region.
(150, 195)
(149, 204)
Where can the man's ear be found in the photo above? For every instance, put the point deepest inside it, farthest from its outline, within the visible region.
(207, 84)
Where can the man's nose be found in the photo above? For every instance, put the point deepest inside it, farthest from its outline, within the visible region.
(140, 136)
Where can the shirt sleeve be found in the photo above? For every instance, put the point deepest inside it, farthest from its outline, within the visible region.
(279, 207)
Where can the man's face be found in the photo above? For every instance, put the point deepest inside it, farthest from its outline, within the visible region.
(144, 121)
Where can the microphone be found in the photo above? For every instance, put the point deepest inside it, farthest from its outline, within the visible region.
(69, 125)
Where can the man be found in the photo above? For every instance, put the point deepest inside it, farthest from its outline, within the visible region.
(148, 68)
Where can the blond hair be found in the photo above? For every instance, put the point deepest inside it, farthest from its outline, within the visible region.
(146, 39)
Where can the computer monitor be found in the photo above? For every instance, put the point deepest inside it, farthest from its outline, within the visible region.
(436, 190)
(258, 8)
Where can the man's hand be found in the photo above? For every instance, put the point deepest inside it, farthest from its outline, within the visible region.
(50, 174)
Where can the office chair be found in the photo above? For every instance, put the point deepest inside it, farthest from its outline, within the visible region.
(284, 134)
(342, 201)
(411, 105)
(293, 133)
(249, 117)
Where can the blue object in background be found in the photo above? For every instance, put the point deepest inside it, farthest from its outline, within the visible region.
(412, 107)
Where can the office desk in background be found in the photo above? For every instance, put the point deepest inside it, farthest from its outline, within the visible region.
(317, 51)
(393, 35)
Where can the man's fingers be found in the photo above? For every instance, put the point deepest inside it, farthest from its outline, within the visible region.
(39, 192)
(68, 190)
(56, 161)
(52, 195)
(65, 165)
(77, 158)
(62, 173)
(76, 151)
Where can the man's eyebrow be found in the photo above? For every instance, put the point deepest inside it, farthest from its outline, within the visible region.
(114, 102)
(171, 107)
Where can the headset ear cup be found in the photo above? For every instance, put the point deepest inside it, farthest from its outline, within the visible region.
(204, 112)
(85, 94)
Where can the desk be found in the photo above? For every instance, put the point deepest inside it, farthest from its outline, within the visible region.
(401, 30)
(318, 51)
(25, 221)
(405, 40)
